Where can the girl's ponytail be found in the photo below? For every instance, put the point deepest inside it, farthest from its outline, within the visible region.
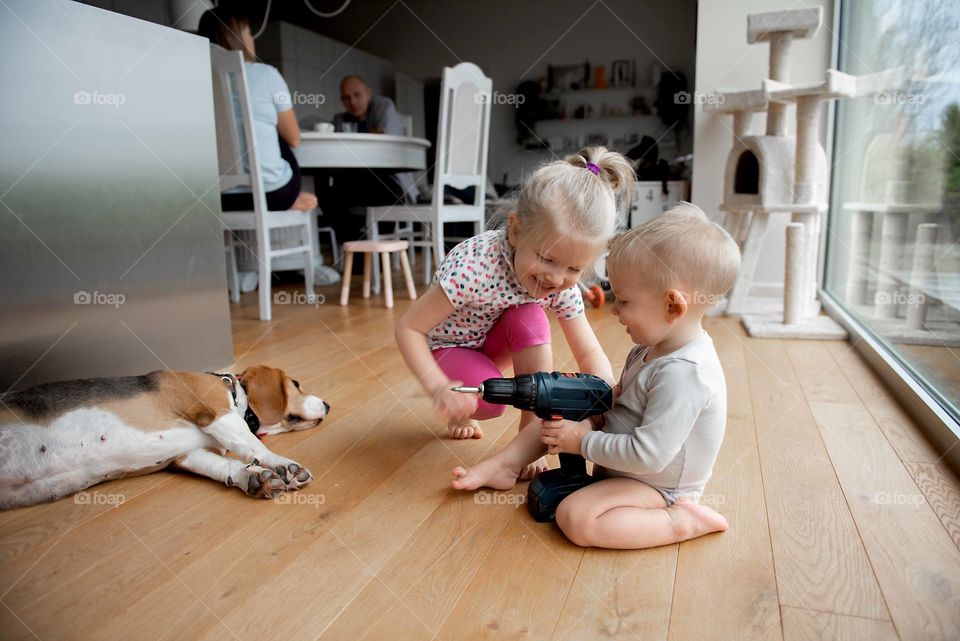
(612, 168)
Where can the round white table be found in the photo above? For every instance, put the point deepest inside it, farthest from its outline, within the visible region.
(361, 151)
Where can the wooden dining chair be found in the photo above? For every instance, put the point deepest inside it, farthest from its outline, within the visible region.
(238, 158)
(462, 146)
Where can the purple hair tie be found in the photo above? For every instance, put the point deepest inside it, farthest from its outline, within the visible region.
(594, 167)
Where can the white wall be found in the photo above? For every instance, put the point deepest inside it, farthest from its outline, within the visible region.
(512, 41)
(303, 58)
(725, 61)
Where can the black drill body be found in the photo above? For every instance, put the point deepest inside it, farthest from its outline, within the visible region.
(553, 395)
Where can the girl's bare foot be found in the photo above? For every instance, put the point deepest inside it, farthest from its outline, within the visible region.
(464, 429)
(305, 201)
(530, 471)
(692, 519)
(491, 472)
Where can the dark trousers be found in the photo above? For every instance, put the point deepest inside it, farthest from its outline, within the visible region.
(341, 190)
(277, 200)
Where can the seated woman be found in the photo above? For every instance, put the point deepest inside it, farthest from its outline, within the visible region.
(275, 124)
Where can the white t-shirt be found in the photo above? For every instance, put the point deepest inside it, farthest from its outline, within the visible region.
(666, 427)
(478, 278)
(268, 97)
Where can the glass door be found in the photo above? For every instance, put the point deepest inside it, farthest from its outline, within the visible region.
(893, 259)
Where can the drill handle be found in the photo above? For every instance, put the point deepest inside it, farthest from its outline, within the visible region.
(573, 465)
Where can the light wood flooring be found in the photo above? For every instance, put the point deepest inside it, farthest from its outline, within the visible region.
(845, 523)
(939, 364)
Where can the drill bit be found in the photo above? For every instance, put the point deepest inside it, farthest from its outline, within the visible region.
(468, 390)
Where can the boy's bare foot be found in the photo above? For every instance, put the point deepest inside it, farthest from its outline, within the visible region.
(491, 472)
(692, 519)
(530, 471)
(464, 429)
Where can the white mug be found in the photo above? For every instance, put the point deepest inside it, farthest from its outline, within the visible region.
(323, 127)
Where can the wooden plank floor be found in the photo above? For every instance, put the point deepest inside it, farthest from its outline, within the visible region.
(845, 523)
(939, 364)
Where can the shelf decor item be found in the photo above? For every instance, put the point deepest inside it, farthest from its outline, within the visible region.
(621, 73)
(568, 77)
(600, 79)
(596, 140)
(639, 106)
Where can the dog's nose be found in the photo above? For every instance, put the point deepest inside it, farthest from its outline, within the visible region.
(326, 407)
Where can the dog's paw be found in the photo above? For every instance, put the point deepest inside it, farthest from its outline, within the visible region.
(263, 483)
(294, 475)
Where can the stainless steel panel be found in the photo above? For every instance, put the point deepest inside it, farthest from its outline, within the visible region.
(111, 252)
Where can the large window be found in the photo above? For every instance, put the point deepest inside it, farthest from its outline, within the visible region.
(893, 258)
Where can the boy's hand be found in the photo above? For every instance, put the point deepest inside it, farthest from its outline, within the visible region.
(454, 406)
(564, 436)
(598, 422)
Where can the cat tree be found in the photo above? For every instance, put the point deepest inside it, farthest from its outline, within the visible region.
(777, 173)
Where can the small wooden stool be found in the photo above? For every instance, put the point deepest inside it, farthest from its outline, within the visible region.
(368, 248)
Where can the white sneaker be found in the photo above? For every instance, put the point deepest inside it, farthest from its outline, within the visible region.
(248, 281)
(324, 275)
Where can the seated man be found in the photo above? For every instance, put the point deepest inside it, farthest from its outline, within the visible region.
(357, 187)
(372, 114)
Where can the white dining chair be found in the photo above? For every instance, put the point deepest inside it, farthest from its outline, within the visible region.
(401, 230)
(237, 155)
(406, 125)
(462, 145)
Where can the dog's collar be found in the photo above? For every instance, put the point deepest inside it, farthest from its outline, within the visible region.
(230, 380)
(252, 420)
(249, 417)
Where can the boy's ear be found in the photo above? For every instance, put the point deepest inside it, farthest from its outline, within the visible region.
(675, 305)
(513, 229)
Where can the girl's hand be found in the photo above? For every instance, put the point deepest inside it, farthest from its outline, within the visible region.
(564, 436)
(454, 406)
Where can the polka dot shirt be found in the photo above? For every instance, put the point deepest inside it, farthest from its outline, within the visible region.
(479, 280)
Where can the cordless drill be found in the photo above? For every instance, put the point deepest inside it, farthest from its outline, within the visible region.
(551, 396)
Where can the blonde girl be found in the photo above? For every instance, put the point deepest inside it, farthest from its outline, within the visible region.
(486, 309)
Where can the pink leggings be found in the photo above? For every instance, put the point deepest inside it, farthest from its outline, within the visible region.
(518, 328)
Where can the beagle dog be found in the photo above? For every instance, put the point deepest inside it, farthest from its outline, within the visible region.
(60, 438)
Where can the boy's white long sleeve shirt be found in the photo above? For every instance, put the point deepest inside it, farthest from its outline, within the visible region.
(666, 427)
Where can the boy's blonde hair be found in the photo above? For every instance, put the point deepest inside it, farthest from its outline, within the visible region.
(679, 249)
(577, 196)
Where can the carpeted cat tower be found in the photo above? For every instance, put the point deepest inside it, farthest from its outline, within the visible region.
(777, 173)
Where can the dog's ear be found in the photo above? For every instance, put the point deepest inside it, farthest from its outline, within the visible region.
(266, 393)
